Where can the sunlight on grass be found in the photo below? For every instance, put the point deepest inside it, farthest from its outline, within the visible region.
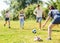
(17, 35)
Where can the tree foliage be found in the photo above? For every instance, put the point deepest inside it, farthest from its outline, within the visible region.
(28, 6)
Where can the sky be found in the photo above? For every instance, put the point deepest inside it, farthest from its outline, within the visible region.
(4, 6)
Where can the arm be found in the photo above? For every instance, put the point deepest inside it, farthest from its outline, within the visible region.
(49, 15)
(46, 21)
(19, 16)
(34, 12)
(24, 16)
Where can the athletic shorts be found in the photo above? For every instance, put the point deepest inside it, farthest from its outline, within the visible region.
(56, 20)
(6, 19)
(38, 19)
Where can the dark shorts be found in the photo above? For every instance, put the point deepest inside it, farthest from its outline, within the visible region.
(6, 19)
(56, 20)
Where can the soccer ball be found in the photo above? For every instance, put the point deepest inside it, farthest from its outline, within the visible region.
(34, 31)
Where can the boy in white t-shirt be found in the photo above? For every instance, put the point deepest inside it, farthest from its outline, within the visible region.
(38, 12)
(7, 18)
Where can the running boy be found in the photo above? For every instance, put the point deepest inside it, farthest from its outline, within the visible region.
(7, 18)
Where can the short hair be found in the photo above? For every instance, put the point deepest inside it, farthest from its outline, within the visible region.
(7, 11)
(52, 7)
(38, 5)
(22, 11)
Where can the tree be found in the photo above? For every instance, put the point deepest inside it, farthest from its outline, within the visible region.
(51, 2)
(58, 4)
(3, 13)
(17, 5)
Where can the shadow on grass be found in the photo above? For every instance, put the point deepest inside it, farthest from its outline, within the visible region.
(52, 30)
(28, 29)
(56, 30)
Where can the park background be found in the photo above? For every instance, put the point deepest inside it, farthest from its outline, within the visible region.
(17, 35)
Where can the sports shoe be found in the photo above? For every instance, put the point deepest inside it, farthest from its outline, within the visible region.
(9, 27)
(4, 25)
(37, 39)
(48, 38)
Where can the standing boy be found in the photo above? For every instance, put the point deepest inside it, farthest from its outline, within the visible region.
(38, 13)
(21, 18)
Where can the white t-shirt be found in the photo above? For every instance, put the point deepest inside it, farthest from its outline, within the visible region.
(7, 15)
(38, 12)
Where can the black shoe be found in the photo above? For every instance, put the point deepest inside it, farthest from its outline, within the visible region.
(48, 38)
(9, 27)
(4, 25)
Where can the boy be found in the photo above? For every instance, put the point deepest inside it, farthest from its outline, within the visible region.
(38, 13)
(21, 18)
(54, 13)
(7, 18)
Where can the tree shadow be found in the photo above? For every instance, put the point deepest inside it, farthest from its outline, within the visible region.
(45, 29)
(56, 30)
(26, 29)
(52, 30)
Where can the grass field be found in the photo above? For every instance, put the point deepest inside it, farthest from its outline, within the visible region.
(17, 35)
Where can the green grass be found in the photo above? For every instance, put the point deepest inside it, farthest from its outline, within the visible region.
(17, 35)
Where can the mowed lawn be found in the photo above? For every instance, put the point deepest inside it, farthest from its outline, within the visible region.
(17, 35)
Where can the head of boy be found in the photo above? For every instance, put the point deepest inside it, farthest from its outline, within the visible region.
(51, 7)
(38, 6)
(22, 11)
(7, 11)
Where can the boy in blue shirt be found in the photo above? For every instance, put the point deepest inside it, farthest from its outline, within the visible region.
(54, 13)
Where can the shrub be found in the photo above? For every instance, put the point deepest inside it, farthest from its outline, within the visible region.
(29, 12)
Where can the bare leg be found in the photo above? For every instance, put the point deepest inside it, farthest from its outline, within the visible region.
(5, 23)
(40, 25)
(49, 30)
(9, 24)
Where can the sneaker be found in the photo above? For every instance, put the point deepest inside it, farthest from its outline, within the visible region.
(4, 25)
(9, 27)
(48, 38)
(37, 39)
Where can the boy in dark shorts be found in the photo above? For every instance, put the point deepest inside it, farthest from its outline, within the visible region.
(54, 13)
(7, 18)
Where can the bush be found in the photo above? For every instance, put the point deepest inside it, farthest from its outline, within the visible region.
(45, 14)
(29, 12)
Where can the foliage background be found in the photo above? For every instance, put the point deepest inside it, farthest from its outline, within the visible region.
(29, 6)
